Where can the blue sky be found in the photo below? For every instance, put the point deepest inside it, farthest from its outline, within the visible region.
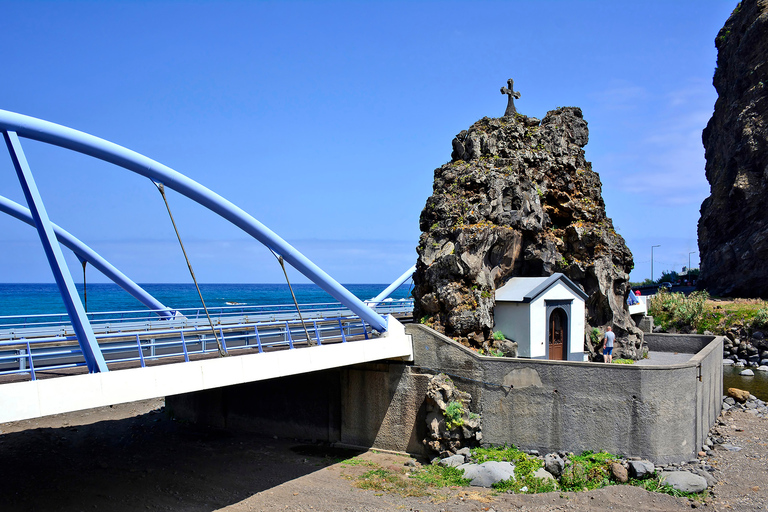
(325, 121)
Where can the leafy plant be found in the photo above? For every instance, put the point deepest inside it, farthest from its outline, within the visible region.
(499, 336)
(587, 471)
(454, 414)
(624, 361)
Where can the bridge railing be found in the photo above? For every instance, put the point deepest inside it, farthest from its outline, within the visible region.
(129, 339)
(46, 325)
(30, 356)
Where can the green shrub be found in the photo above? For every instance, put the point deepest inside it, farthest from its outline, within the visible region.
(454, 415)
(587, 471)
(499, 336)
(676, 310)
(497, 453)
(594, 335)
(760, 319)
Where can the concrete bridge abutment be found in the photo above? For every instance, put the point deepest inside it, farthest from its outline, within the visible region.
(365, 405)
(658, 412)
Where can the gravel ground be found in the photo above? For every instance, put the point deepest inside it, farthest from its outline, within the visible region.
(131, 457)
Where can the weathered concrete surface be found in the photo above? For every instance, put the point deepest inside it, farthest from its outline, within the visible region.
(383, 406)
(379, 405)
(684, 343)
(661, 413)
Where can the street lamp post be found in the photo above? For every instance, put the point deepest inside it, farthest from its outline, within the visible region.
(652, 260)
(689, 259)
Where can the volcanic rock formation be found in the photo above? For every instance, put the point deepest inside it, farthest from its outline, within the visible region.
(733, 228)
(518, 198)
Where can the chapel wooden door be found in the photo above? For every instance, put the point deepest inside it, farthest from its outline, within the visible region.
(557, 334)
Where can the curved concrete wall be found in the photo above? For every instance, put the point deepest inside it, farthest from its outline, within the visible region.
(662, 413)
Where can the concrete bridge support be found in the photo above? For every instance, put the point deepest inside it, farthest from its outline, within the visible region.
(372, 404)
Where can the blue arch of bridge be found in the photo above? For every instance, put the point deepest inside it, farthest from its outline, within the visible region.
(68, 138)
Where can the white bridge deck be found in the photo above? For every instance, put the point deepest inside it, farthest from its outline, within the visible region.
(260, 347)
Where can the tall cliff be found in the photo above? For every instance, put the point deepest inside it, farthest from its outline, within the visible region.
(733, 228)
(518, 198)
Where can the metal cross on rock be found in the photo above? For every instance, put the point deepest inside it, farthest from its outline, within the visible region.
(511, 96)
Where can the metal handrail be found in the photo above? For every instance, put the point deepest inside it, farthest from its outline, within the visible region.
(181, 337)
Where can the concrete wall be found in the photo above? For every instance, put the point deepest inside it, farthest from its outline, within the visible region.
(659, 412)
(379, 405)
(683, 343)
(662, 413)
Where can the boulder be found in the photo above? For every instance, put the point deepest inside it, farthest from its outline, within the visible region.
(619, 473)
(739, 395)
(706, 475)
(544, 475)
(684, 481)
(554, 464)
(518, 198)
(733, 227)
(641, 469)
(453, 461)
(488, 473)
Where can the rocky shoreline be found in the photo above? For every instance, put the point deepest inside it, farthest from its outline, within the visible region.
(745, 349)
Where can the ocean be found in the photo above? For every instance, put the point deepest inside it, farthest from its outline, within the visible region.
(31, 299)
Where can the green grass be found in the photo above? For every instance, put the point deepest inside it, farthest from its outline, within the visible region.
(623, 361)
(416, 482)
(435, 475)
(384, 480)
(356, 461)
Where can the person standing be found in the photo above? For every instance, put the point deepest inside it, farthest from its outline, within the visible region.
(608, 345)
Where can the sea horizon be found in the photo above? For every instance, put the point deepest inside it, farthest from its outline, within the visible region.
(44, 298)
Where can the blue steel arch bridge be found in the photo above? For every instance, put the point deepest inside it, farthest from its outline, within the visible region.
(80, 360)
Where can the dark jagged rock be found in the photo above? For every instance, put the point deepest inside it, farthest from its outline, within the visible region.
(733, 228)
(518, 198)
(450, 424)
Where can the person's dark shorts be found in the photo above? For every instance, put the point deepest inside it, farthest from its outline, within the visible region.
(607, 351)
